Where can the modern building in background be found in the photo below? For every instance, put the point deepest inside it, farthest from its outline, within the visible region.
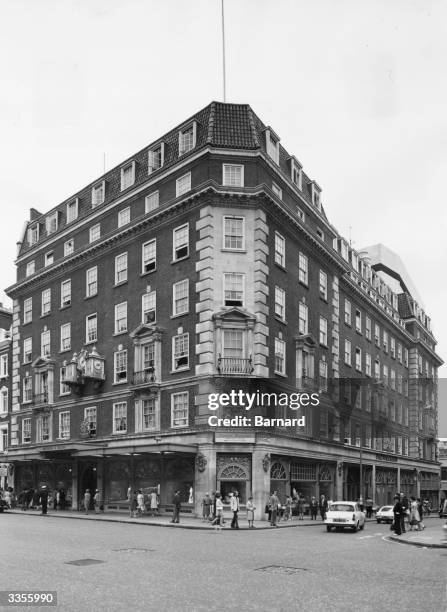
(202, 264)
(6, 469)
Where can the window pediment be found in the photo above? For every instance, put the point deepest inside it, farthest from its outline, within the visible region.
(305, 340)
(235, 315)
(42, 363)
(146, 332)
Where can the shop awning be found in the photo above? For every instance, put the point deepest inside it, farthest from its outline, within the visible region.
(134, 449)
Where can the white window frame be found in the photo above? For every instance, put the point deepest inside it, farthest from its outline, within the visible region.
(175, 299)
(348, 352)
(183, 184)
(45, 341)
(348, 313)
(233, 175)
(33, 234)
(51, 223)
(185, 409)
(233, 236)
(120, 318)
(230, 294)
(358, 359)
(46, 302)
(4, 394)
(88, 319)
(149, 305)
(280, 303)
(64, 389)
(368, 364)
(358, 320)
(64, 428)
(149, 264)
(303, 318)
(27, 350)
(124, 216)
(121, 268)
(323, 331)
(179, 242)
(303, 269)
(66, 294)
(4, 365)
(27, 310)
(152, 201)
(64, 336)
(117, 357)
(98, 194)
(90, 283)
(91, 415)
(126, 182)
(280, 354)
(26, 427)
(323, 285)
(182, 341)
(30, 267)
(72, 210)
(122, 417)
(68, 247)
(368, 328)
(296, 173)
(94, 232)
(183, 146)
(277, 190)
(48, 258)
(272, 145)
(151, 167)
(280, 250)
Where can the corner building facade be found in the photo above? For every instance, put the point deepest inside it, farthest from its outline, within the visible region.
(205, 263)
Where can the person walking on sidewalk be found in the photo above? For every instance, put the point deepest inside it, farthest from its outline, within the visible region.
(313, 507)
(206, 507)
(177, 503)
(87, 500)
(154, 503)
(140, 502)
(97, 501)
(43, 499)
(218, 520)
(323, 507)
(274, 503)
(234, 505)
(250, 513)
(397, 513)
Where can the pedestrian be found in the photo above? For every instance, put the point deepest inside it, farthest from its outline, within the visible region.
(177, 503)
(140, 502)
(274, 503)
(97, 501)
(55, 499)
(129, 499)
(288, 511)
(250, 513)
(323, 507)
(414, 514)
(43, 499)
(268, 510)
(234, 505)
(206, 507)
(369, 507)
(300, 508)
(421, 525)
(405, 511)
(87, 500)
(8, 498)
(218, 520)
(154, 503)
(313, 508)
(397, 513)
(62, 499)
(29, 499)
(134, 504)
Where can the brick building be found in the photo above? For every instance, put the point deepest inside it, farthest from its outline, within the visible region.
(6, 475)
(202, 264)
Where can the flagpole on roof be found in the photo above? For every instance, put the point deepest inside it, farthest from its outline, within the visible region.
(223, 53)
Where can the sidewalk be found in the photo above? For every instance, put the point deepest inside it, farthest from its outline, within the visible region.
(431, 537)
(186, 522)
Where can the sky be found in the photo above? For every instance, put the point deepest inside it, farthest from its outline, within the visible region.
(357, 91)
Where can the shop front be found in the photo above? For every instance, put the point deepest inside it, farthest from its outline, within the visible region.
(386, 485)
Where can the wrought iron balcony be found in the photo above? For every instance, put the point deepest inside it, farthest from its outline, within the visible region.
(40, 399)
(234, 365)
(144, 377)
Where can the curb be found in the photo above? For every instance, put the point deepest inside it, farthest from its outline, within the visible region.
(419, 544)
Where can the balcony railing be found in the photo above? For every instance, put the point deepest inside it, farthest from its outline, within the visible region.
(144, 377)
(41, 398)
(234, 365)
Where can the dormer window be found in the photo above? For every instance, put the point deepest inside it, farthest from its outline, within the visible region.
(156, 158)
(98, 194)
(127, 175)
(30, 267)
(33, 234)
(187, 138)
(296, 173)
(49, 258)
(72, 210)
(272, 145)
(51, 223)
(344, 250)
(233, 175)
(316, 195)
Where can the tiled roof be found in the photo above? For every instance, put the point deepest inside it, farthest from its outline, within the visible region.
(232, 125)
(403, 302)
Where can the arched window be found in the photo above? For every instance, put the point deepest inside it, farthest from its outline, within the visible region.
(277, 472)
(233, 472)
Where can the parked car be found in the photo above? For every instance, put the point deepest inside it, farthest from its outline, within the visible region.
(344, 514)
(443, 509)
(385, 514)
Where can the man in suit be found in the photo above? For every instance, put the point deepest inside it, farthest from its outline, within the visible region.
(234, 505)
(323, 507)
(43, 498)
(274, 503)
(177, 503)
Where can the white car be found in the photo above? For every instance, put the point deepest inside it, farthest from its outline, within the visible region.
(344, 514)
(385, 514)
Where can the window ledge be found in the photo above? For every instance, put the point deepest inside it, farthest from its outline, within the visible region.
(185, 369)
(65, 306)
(123, 282)
(280, 266)
(89, 297)
(65, 351)
(47, 314)
(27, 323)
(174, 261)
(121, 382)
(282, 374)
(225, 250)
(280, 319)
(303, 284)
(119, 433)
(182, 314)
(121, 333)
(148, 272)
(91, 342)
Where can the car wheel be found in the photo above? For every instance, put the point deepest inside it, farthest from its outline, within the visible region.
(362, 527)
(355, 528)
(379, 521)
(328, 527)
